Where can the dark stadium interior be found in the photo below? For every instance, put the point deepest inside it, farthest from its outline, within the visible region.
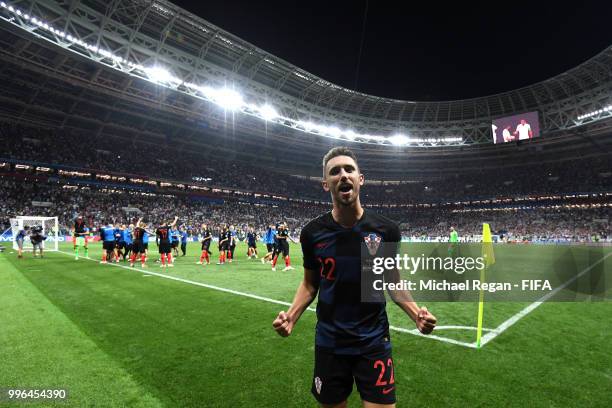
(63, 111)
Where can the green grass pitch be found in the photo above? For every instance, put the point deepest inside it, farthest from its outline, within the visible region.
(115, 336)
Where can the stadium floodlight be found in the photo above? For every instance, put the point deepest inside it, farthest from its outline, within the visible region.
(333, 131)
(350, 135)
(398, 140)
(159, 74)
(268, 112)
(307, 126)
(228, 99)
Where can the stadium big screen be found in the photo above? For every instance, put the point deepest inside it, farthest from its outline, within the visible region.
(516, 127)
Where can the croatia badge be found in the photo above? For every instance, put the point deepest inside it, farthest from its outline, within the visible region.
(372, 241)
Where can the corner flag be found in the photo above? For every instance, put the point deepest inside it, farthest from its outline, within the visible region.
(489, 258)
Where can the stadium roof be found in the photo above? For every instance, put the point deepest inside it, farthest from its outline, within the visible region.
(110, 67)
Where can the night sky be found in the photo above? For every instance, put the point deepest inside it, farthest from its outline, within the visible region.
(425, 51)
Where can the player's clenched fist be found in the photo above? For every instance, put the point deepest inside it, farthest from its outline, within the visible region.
(425, 321)
(283, 324)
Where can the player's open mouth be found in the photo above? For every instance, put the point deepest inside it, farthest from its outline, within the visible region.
(345, 188)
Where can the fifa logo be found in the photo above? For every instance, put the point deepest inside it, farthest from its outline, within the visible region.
(372, 241)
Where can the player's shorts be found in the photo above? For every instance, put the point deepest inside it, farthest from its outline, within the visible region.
(252, 245)
(283, 247)
(108, 245)
(175, 244)
(121, 245)
(19, 243)
(223, 247)
(165, 248)
(138, 247)
(270, 247)
(145, 246)
(37, 245)
(206, 245)
(372, 372)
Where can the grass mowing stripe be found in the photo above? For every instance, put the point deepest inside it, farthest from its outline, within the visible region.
(414, 332)
(186, 346)
(511, 321)
(44, 348)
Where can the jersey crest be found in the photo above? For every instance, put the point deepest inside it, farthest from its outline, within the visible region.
(372, 242)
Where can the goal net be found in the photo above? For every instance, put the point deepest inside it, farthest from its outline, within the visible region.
(48, 226)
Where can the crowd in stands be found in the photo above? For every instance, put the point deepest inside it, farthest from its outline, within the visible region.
(98, 206)
(176, 162)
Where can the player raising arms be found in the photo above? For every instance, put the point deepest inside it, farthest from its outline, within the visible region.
(79, 237)
(164, 242)
(352, 342)
(206, 238)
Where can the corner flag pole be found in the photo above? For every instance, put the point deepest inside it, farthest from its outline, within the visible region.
(489, 257)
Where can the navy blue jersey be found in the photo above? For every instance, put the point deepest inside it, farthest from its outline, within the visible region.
(346, 325)
(163, 234)
(223, 236)
(251, 238)
(139, 234)
(79, 228)
(282, 234)
(183, 237)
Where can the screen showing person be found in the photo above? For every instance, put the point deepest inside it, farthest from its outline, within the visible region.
(524, 126)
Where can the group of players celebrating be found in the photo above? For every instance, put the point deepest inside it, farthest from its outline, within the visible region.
(131, 242)
(275, 238)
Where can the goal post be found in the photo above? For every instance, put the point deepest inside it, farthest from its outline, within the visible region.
(49, 227)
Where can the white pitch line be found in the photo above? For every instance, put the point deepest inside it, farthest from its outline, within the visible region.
(414, 332)
(505, 325)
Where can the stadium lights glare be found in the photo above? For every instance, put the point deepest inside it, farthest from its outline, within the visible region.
(595, 112)
(268, 112)
(228, 99)
(350, 135)
(159, 75)
(398, 140)
(231, 99)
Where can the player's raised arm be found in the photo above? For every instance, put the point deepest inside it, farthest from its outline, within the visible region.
(305, 294)
(174, 222)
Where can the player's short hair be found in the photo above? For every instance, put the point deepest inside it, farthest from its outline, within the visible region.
(335, 152)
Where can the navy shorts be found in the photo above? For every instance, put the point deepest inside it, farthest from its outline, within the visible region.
(372, 372)
(108, 245)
